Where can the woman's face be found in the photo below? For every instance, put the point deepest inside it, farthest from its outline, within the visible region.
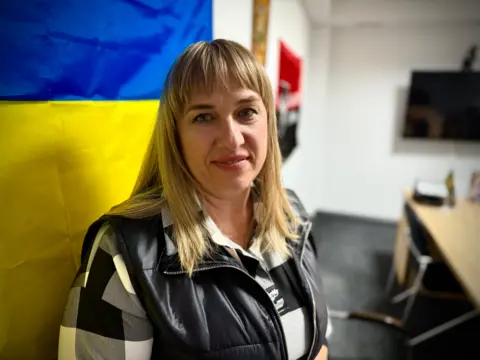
(224, 139)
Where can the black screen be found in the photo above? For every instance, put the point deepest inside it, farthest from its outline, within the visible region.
(443, 105)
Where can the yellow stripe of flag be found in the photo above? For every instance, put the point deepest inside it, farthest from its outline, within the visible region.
(62, 165)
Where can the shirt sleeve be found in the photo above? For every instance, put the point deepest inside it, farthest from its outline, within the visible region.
(103, 318)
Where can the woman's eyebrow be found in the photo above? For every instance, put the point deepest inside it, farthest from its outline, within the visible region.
(195, 107)
(249, 99)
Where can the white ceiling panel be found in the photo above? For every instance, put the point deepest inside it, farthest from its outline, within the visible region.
(391, 12)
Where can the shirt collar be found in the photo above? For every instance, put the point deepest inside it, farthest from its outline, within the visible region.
(212, 229)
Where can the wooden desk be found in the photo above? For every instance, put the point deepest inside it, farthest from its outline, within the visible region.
(456, 233)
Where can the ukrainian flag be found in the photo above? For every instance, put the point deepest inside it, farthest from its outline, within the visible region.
(79, 87)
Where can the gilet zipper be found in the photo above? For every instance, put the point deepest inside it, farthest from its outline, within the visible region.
(277, 315)
(314, 322)
(307, 232)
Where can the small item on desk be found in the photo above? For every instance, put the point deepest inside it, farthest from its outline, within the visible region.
(430, 193)
(450, 184)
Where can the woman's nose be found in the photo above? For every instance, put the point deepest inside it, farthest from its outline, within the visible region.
(230, 134)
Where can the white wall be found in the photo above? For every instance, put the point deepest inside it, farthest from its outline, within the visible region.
(232, 19)
(289, 22)
(310, 158)
(364, 163)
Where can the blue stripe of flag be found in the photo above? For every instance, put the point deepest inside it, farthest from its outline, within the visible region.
(95, 49)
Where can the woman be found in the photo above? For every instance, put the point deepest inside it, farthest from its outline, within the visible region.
(210, 258)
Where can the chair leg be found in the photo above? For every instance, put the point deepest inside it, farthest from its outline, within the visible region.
(391, 279)
(380, 318)
(403, 295)
(408, 307)
(390, 284)
(415, 289)
(444, 327)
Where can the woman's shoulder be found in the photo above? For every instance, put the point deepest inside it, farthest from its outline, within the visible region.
(129, 233)
(101, 295)
(114, 232)
(296, 205)
(104, 249)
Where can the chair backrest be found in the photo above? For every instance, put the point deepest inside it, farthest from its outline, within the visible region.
(418, 234)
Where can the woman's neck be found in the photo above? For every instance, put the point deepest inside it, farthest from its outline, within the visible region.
(233, 216)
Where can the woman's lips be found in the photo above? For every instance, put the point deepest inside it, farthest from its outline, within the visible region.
(231, 158)
(236, 162)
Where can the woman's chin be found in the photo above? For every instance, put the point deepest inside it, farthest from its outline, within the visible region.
(233, 187)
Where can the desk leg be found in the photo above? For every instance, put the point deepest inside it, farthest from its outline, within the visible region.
(444, 327)
(400, 255)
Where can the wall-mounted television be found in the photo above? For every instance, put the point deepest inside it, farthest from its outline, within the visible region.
(443, 106)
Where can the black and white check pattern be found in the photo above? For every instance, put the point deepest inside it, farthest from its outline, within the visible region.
(104, 319)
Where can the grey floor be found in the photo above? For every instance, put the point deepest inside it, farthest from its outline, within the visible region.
(354, 259)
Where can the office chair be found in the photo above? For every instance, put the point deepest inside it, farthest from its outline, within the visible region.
(430, 275)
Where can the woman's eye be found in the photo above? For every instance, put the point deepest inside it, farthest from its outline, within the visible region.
(202, 118)
(247, 113)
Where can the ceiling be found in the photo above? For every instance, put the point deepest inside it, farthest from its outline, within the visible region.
(391, 12)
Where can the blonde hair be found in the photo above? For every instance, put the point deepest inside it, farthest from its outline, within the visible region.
(164, 178)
